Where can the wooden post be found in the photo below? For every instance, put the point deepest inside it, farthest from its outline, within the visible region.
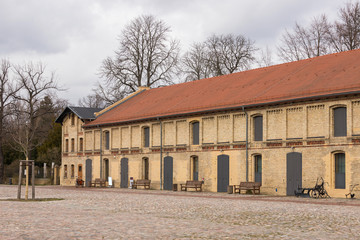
(20, 179)
(33, 180)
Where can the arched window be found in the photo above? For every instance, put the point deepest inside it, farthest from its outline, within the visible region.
(107, 140)
(258, 128)
(72, 170)
(339, 120)
(195, 127)
(72, 145)
(65, 171)
(66, 145)
(81, 144)
(146, 134)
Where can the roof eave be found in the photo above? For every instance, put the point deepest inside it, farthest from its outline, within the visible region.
(301, 99)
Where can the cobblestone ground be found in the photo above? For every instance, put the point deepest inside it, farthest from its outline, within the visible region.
(150, 214)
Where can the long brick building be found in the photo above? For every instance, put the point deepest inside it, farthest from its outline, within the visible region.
(284, 126)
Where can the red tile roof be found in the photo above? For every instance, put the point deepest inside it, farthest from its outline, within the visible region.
(330, 74)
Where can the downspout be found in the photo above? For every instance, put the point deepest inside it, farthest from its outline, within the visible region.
(101, 172)
(161, 182)
(246, 145)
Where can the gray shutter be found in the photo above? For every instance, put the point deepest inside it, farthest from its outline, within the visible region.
(258, 128)
(258, 168)
(124, 173)
(293, 172)
(340, 170)
(107, 140)
(340, 122)
(195, 133)
(146, 137)
(168, 173)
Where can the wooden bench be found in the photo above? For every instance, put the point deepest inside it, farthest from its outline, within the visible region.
(191, 184)
(142, 183)
(252, 186)
(98, 182)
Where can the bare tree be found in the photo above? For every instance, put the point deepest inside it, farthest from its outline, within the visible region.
(8, 89)
(345, 33)
(26, 124)
(92, 101)
(146, 57)
(229, 53)
(195, 63)
(306, 42)
(218, 55)
(265, 58)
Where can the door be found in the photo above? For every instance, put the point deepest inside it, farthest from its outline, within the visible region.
(223, 173)
(258, 168)
(146, 168)
(106, 165)
(80, 175)
(124, 173)
(88, 172)
(168, 173)
(293, 172)
(195, 168)
(340, 170)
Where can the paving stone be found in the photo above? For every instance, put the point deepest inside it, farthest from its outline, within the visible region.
(112, 213)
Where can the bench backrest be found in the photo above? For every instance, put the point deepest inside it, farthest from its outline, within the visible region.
(250, 184)
(143, 181)
(193, 183)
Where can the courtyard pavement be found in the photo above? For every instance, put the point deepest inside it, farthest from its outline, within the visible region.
(113, 213)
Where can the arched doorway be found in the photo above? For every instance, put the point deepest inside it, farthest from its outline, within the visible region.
(145, 163)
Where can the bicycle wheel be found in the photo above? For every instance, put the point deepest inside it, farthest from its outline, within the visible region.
(314, 193)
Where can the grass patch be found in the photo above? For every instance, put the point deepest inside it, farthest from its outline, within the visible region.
(33, 200)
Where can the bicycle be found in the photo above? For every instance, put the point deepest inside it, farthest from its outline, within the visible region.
(351, 194)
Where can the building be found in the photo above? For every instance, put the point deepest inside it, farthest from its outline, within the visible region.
(72, 120)
(284, 126)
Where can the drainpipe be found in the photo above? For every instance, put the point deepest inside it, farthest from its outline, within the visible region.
(161, 182)
(246, 145)
(101, 153)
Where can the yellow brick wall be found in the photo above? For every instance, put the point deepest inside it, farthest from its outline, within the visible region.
(288, 127)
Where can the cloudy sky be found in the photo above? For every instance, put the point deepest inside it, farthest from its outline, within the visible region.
(73, 37)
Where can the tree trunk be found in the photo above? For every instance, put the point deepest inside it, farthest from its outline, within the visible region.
(27, 178)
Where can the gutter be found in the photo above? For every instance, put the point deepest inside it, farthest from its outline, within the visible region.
(161, 182)
(101, 165)
(247, 145)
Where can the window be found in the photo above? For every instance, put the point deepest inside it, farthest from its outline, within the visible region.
(72, 119)
(81, 144)
(146, 137)
(258, 128)
(72, 170)
(195, 168)
(146, 168)
(107, 140)
(339, 116)
(79, 171)
(195, 133)
(65, 171)
(72, 145)
(258, 168)
(66, 145)
(340, 170)
(106, 168)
